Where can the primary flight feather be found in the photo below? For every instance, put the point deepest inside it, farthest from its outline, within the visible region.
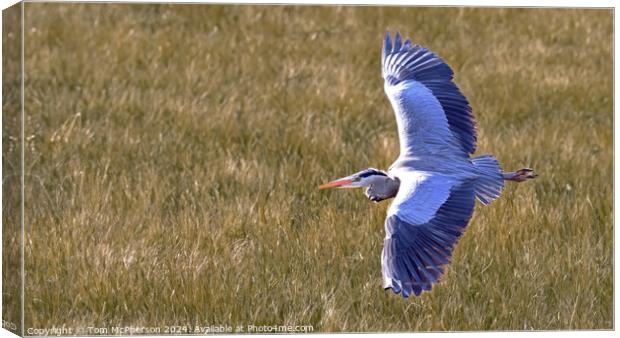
(434, 182)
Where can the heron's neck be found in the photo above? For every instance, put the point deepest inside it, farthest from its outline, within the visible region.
(382, 187)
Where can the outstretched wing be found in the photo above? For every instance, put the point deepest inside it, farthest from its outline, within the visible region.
(428, 215)
(433, 116)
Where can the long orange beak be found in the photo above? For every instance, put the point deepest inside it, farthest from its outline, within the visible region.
(336, 183)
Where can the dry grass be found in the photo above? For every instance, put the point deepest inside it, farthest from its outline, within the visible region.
(173, 154)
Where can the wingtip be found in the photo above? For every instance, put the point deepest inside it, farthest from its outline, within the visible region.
(397, 44)
(405, 290)
(405, 293)
(407, 44)
(387, 43)
(397, 41)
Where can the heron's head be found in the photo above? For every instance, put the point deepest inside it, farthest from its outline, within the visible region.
(360, 179)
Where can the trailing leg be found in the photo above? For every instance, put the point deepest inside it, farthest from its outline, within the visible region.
(520, 175)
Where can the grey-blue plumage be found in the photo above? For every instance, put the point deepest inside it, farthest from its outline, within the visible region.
(414, 255)
(404, 62)
(434, 182)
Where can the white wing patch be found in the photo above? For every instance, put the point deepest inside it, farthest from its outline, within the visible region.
(423, 128)
(420, 195)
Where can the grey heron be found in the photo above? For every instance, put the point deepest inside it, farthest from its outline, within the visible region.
(434, 181)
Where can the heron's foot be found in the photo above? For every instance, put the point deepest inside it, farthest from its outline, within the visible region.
(524, 175)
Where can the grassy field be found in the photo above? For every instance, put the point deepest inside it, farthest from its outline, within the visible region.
(173, 154)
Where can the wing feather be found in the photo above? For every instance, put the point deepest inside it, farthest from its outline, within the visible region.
(420, 195)
(419, 85)
(428, 215)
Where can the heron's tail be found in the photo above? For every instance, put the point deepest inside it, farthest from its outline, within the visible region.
(490, 180)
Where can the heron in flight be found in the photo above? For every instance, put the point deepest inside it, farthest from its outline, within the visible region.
(434, 181)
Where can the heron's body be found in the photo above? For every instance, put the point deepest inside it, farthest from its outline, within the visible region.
(434, 181)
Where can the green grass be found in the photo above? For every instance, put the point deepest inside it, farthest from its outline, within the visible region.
(173, 154)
